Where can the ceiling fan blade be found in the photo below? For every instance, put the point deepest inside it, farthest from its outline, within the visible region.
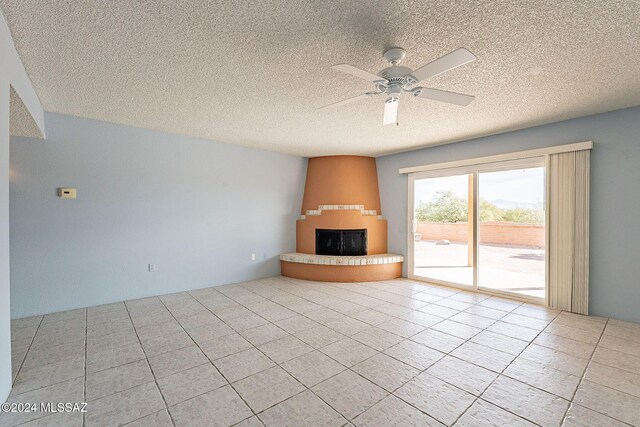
(390, 111)
(350, 69)
(444, 96)
(345, 102)
(448, 62)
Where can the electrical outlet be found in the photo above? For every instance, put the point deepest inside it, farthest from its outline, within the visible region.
(152, 268)
(253, 257)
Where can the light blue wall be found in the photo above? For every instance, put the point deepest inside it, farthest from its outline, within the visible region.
(5, 324)
(12, 73)
(147, 197)
(615, 197)
(196, 209)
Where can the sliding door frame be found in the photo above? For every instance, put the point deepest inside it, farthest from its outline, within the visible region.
(475, 170)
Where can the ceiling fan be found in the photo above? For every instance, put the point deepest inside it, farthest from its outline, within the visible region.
(394, 80)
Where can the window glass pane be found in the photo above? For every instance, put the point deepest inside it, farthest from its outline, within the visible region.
(511, 233)
(443, 231)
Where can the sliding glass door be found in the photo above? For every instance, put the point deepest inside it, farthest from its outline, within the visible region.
(511, 232)
(481, 227)
(443, 244)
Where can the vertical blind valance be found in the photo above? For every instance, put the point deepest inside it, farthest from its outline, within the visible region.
(568, 175)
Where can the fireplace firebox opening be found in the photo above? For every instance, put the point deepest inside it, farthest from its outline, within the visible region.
(341, 242)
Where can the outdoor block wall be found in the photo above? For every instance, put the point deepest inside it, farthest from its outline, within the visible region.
(497, 233)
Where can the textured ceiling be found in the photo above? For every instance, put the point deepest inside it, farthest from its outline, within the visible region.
(21, 121)
(254, 73)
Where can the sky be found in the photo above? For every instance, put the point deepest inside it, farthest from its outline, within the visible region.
(518, 186)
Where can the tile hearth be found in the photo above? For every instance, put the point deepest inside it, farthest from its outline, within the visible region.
(379, 259)
(282, 351)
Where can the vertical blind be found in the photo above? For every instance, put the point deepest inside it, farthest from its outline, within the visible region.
(568, 175)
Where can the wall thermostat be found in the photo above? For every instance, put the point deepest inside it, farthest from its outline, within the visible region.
(67, 193)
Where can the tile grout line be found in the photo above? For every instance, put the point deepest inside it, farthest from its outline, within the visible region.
(476, 398)
(332, 284)
(582, 379)
(48, 385)
(508, 312)
(326, 307)
(387, 394)
(346, 367)
(382, 352)
(584, 371)
(289, 334)
(278, 365)
(207, 357)
(303, 314)
(569, 354)
(24, 358)
(26, 353)
(445, 355)
(532, 342)
(119, 391)
(499, 375)
(514, 359)
(155, 379)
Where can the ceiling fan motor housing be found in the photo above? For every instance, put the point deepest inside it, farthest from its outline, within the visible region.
(395, 72)
(398, 79)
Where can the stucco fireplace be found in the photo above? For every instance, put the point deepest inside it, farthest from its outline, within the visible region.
(341, 235)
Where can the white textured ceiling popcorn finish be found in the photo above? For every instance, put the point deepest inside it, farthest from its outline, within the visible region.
(255, 73)
(21, 123)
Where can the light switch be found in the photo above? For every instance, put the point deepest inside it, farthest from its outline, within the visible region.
(67, 193)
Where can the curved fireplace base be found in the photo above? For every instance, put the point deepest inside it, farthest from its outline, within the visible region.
(341, 269)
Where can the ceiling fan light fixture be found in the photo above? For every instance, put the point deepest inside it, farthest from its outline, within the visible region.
(390, 111)
(396, 79)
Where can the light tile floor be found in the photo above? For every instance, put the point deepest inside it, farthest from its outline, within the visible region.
(284, 352)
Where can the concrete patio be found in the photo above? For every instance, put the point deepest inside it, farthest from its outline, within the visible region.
(502, 267)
